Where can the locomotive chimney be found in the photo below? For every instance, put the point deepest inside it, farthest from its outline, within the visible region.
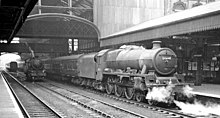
(156, 44)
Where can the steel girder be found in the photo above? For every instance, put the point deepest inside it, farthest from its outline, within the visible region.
(36, 47)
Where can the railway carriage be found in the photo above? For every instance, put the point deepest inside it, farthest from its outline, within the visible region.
(55, 69)
(13, 66)
(48, 66)
(69, 67)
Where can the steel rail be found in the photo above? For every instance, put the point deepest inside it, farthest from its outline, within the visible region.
(105, 103)
(36, 97)
(22, 108)
(144, 105)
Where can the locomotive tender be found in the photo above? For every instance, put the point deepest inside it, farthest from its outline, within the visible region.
(130, 71)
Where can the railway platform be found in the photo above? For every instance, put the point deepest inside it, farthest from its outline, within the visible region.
(210, 90)
(8, 105)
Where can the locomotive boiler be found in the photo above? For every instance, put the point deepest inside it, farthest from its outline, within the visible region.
(161, 60)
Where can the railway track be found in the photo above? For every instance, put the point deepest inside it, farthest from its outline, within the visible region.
(33, 107)
(91, 103)
(85, 101)
(173, 112)
(166, 112)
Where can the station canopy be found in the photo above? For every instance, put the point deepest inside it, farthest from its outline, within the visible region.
(13, 14)
(198, 19)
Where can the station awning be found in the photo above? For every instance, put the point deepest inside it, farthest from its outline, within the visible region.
(13, 13)
(201, 18)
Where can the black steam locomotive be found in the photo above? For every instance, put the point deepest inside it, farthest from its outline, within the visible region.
(130, 71)
(34, 69)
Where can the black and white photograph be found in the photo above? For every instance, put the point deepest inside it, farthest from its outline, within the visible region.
(109, 58)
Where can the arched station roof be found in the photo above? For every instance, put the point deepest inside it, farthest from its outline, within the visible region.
(57, 25)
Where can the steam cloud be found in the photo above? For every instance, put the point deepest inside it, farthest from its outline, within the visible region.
(187, 90)
(163, 94)
(199, 109)
(160, 94)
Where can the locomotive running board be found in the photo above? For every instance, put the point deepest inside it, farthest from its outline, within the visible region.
(125, 74)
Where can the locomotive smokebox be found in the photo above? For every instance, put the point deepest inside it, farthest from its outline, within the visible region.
(156, 44)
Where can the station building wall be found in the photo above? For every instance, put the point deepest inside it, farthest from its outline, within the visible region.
(115, 15)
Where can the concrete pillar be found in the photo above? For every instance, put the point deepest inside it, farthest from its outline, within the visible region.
(199, 79)
(199, 57)
(218, 72)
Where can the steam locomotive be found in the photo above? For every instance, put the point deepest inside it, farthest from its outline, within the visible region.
(34, 69)
(130, 71)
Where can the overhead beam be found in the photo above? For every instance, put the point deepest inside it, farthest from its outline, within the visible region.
(20, 20)
(25, 10)
(36, 47)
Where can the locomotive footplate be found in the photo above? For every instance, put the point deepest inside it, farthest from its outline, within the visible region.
(38, 74)
(125, 74)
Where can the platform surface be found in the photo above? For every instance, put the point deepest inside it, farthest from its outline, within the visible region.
(8, 105)
(212, 90)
